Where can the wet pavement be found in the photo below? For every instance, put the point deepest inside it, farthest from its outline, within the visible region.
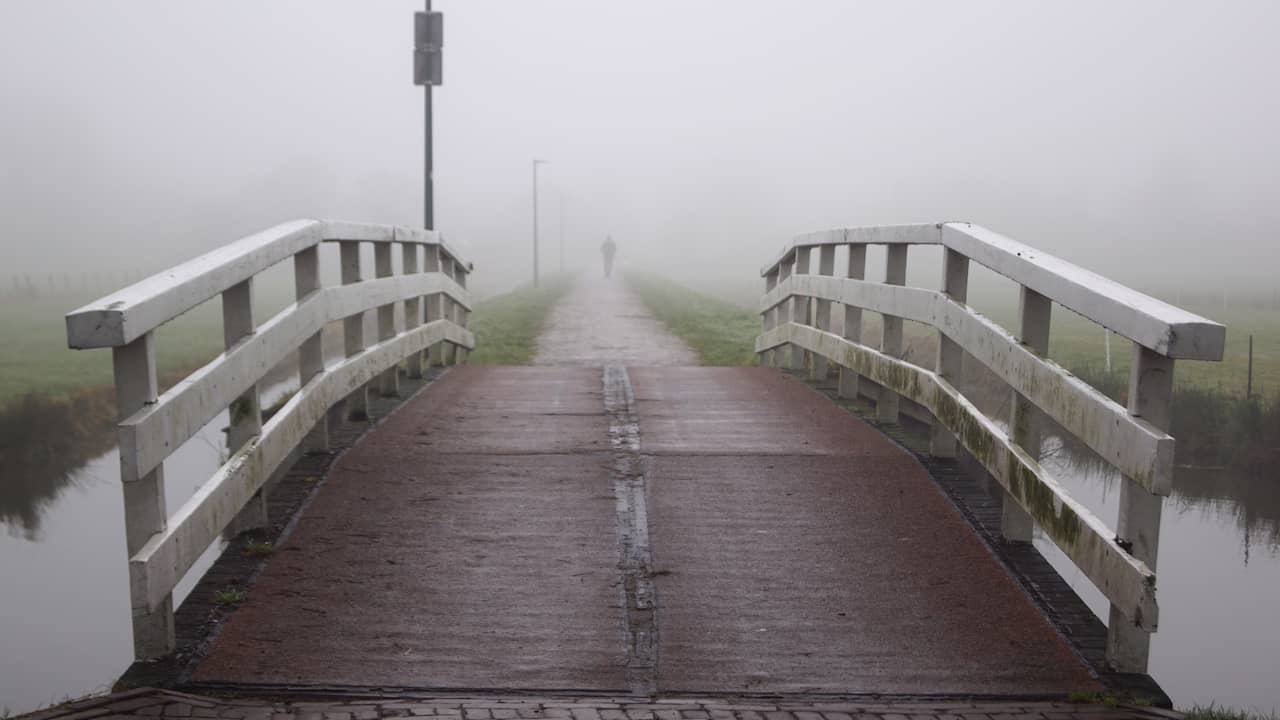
(148, 704)
(603, 321)
(635, 530)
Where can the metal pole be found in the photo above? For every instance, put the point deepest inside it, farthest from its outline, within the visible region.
(428, 190)
(535, 223)
(561, 233)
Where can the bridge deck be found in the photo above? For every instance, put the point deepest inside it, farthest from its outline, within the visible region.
(670, 529)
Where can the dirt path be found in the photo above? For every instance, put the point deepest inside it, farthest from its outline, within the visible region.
(603, 322)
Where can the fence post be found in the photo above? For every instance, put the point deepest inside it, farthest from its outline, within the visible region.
(246, 410)
(412, 310)
(857, 270)
(306, 280)
(769, 319)
(800, 310)
(145, 514)
(1138, 524)
(895, 273)
(822, 315)
(463, 314)
(1034, 314)
(389, 380)
(448, 350)
(784, 310)
(434, 309)
(950, 363)
(353, 328)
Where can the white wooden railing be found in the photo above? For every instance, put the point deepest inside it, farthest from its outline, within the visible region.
(152, 425)
(800, 331)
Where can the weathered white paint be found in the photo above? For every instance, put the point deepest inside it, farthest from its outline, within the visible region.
(895, 273)
(915, 234)
(1131, 444)
(1154, 324)
(950, 361)
(126, 315)
(152, 427)
(1138, 522)
(158, 565)
(800, 308)
(1034, 314)
(856, 270)
(1124, 580)
(159, 428)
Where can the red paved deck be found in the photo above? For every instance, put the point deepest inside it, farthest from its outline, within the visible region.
(475, 540)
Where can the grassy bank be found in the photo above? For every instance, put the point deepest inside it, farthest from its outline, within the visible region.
(720, 332)
(507, 326)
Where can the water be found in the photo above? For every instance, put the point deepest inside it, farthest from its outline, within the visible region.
(65, 625)
(65, 621)
(1218, 579)
(65, 610)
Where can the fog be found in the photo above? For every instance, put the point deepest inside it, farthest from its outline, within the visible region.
(1135, 138)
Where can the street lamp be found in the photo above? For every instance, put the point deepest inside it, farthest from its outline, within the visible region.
(536, 163)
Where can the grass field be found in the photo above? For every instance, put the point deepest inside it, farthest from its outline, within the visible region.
(720, 332)
(507, 326)
(34, 357)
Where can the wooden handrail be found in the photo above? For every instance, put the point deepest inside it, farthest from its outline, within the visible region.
(1163, 328)
(1121, 562)
(152, 426)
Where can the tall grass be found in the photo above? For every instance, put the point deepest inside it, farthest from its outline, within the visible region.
(507, 326)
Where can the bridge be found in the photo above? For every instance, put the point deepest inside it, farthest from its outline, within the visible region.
(617, 525)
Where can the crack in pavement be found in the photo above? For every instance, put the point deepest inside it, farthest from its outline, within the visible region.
(634, 554)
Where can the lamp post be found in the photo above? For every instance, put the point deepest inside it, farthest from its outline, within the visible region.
(536, 163)
(561, 232)
(428, 40)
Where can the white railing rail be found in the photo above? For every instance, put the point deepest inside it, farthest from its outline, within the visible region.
(153, 425)
(797, 316)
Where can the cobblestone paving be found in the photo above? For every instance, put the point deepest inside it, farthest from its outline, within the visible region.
(147, 703)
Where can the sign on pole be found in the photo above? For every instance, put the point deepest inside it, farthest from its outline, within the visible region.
(428, 40)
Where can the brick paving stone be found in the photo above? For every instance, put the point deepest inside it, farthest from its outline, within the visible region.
(703, 715)
(583, 713)
(502, 713)
(180, 710)
(833, 715)
(647, 715)
(667, 714)
(778, 715)
(337, 715)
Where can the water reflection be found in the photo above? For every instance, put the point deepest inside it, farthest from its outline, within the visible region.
(43, 445)
(1218, 575)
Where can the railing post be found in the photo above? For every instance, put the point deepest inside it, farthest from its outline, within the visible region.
(412, 309)
(800, 310)
(246, 410)
(306, 280)
(822, 315)
(144, 507)
(895, 273)
(463, 314)
(435, 303)
(784, 310)
(353, 328)
(1138, 524)
(769, 319)
(950, 364)
(449, 351)
(857, 270)
(389, 380)
(1034, 314)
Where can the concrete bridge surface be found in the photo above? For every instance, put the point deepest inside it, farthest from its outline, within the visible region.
(617, 521)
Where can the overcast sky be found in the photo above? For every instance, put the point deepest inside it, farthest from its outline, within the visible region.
(1138, 138)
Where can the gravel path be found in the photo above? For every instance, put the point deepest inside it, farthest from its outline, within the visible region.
(602, 322)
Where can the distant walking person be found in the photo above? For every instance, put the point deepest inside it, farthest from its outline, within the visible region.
(608, 250)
